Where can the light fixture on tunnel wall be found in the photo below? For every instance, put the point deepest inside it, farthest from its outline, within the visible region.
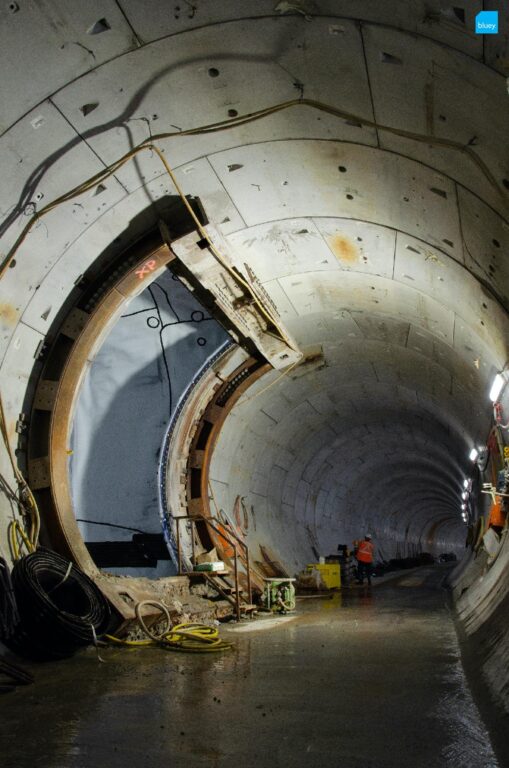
(482, 458)
(464, 495)
(497, 387)
(474, 453)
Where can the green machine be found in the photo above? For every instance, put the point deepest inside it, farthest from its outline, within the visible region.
(279, 595)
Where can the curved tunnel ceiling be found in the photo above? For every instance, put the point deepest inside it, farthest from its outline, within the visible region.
(374, 212)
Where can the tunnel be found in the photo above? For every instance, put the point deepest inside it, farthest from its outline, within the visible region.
(253, 276)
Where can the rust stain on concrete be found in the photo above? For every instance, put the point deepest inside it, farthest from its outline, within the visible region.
(9, 314)
(343, 249)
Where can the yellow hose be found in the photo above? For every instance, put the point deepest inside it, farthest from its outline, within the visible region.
(190, 638)
(18, 538)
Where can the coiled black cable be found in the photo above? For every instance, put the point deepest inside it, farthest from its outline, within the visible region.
(9, 616)
(11, 675)
(60, 607)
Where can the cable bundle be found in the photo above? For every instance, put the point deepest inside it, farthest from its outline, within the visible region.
(9, 616)
(23, 532)
(11, 676)
(60, 608)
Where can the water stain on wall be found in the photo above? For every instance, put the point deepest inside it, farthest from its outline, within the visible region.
(343, 249)
(9, 314)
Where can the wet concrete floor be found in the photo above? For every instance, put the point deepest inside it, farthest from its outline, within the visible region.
(371, 678)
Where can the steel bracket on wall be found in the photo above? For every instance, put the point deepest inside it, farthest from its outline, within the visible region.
(203, 435)
(236, 298)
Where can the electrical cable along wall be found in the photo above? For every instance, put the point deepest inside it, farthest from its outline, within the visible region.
(354, 156)
(381, 213)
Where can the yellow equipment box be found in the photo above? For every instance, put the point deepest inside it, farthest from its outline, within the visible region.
(330, 573)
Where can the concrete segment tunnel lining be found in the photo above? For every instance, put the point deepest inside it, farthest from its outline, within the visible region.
(357, 239)
(384, 249)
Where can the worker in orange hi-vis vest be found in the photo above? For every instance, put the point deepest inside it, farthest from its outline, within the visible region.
(497, 515)
(364, 554)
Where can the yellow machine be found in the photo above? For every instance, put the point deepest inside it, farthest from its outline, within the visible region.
(330, 573)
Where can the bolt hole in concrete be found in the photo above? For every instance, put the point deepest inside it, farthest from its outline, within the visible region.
(388, 58)
(459, 13)
(213, 72)
(232, 113)
(439, 192)
(99, 27)
(86, 109)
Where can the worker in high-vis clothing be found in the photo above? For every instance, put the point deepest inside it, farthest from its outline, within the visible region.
(364, 554)
(498, 515)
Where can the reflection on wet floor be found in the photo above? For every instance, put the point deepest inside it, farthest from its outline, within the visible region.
(370, 678)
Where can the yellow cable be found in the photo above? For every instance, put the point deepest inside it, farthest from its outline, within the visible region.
(13, 544)
(5, 435)
(190, 638)
(281, 376)
(204, 130)
(203, 232)
(15, 529)
(236, 122)
(15, 532)
(112, 169)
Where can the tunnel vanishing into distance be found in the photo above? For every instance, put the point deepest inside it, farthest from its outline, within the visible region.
(348, 159)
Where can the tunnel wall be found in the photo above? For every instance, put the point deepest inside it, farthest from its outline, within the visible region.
(480, 592)
(377, 223)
